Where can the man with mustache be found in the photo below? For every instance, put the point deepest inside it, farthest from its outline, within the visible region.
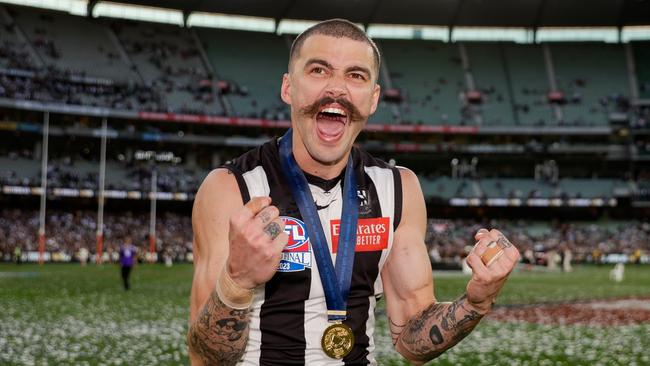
(296, 240)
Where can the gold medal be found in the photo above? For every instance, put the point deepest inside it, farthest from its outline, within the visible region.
(337, 340)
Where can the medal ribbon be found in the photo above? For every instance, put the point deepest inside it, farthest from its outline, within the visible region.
(335, 280)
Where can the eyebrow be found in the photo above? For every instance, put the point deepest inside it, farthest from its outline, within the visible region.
(359, 68)
(319, 61)
(322, 62)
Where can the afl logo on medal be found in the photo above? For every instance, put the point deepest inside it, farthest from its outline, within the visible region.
(296, 256)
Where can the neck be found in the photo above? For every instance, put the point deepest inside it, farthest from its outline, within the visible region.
(309, 165)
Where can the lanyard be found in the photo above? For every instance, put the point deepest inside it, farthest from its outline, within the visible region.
(335, 280)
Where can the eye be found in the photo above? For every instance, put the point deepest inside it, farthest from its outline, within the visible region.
(318, 70)
(358, 76)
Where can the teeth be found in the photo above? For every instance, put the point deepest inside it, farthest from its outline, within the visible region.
(334, 110)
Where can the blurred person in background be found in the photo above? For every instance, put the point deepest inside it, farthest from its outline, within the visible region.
(128, 254)
(18, 253)
(83, 255)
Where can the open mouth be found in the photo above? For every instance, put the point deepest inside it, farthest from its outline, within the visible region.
(331, 121)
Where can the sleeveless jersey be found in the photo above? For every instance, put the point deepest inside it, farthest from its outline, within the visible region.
(288, 313)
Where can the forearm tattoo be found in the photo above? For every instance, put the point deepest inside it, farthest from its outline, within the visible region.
(219, 334)
(436, 329)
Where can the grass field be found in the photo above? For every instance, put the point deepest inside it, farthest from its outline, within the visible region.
(69, 315)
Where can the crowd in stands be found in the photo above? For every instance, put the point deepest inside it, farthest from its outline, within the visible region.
(21, 78)
(172, 178)
(15, 56)
(588, 242)
(69, 231)
(50, 85)
(62, 172)
(178, 69)
(641, 117)
(447, 240)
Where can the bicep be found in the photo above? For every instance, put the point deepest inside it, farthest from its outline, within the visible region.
(216, 200)
(406, 276)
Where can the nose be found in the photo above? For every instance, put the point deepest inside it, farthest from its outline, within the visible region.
(336, 87)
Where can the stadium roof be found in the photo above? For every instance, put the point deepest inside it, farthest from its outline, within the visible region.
(492, 13)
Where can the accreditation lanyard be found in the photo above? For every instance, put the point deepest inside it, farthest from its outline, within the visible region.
(335, 280)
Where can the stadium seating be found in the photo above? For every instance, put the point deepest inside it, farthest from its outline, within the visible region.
(527, 73)
(73, 43)
(156, 67)
(445, 188)
(13, 52)
(488, 67)
(517, 188)
(83, 174)
(587, 188)
(584, 73)
(254, 71)
(430, 77)
(18, 171)
(642, 62)
(167, 58)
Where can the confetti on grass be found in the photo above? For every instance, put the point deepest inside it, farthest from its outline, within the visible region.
(70, 315)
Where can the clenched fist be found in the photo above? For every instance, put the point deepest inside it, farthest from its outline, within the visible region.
(257, 239)
(487, 280)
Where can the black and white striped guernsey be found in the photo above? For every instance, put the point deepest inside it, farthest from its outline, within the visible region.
(289, 312)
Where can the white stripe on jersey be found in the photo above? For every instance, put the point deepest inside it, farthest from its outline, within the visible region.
(383, 181)
(257, 185)
(252, 353)
(257, 182)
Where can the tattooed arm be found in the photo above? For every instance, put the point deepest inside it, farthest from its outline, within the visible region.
(422, 328)
(219, 334)
(434, 330)
(236, 248)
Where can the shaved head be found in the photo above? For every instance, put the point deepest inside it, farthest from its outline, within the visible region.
(338, 28)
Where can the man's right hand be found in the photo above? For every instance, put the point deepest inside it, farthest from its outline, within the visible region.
(257, 239)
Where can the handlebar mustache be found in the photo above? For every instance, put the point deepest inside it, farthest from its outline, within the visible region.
(353, 112)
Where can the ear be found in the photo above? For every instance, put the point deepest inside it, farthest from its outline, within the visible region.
(285, 91)
(375, 98)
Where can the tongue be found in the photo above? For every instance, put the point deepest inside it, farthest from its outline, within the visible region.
(328, 127)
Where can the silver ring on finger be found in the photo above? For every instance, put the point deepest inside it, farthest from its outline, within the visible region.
(504, 242)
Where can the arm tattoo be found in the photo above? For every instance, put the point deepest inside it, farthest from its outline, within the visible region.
(395, 330)
(437, 328)
(219, 334)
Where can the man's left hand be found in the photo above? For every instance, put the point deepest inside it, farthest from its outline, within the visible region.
(487, 281)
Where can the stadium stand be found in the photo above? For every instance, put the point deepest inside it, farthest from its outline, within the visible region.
(429, 75)
(20, 168)
(589, 242)
(167, 59)
(72, 44)
(517, 188)
(71, 230)
(489, 69)
(642, 61)
(140, 66)
(590, 90)
(148, 67)
(527, 74)
(253, 73)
